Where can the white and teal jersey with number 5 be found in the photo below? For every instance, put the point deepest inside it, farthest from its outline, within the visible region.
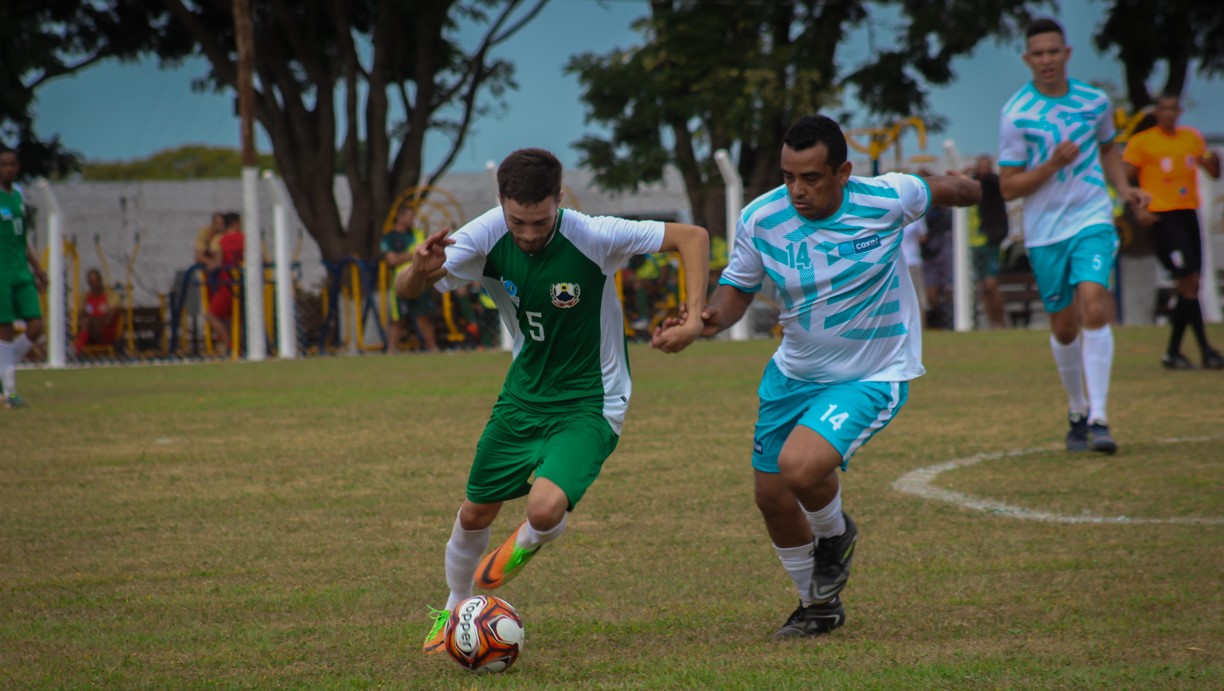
(14, 265)
(847, 307)
(560, 305)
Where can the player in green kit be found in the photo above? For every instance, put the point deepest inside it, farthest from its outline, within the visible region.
(21, 278)
(551, 272)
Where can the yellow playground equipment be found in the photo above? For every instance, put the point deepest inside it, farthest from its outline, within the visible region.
(879, 139)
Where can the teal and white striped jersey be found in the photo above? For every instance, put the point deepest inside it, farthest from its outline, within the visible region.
(848, 309)
(560, 305)
(1075, 198)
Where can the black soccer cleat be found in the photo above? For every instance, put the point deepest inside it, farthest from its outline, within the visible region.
(831, 569)
(1176, 361)
(1212, 359)
(812, 620)
(1077, 435)
(1100, 439)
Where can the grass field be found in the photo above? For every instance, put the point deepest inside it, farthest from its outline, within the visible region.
(282, 525)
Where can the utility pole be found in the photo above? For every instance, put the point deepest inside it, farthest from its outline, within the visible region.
(244, 36)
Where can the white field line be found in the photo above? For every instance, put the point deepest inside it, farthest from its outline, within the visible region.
(921, 483)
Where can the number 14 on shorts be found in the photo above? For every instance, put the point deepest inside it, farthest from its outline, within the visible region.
(834, 418)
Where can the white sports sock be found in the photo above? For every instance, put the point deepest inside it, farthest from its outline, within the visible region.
(1069, 359)
(8, 374)
(829, 521)
(21, 346)
(529, 537)
(798, 562)
(463, 552)
(1098, 360)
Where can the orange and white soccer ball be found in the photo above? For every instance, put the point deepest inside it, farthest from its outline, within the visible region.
(484, 634)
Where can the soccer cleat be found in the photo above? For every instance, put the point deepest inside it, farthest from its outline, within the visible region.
(832, 567)
(1212, 359)
(1077, 436)
(1176, 361)
(504, 563)
(1100, 439)
(812, 620)
(435, 641)
(14, 401)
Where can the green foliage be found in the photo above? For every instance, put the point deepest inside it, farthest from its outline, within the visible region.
(189, 162)
(1180, 33)
(736, 78)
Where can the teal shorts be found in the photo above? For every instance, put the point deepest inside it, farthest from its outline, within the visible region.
(846, 414)
(1089, 255)
(19, 301)
(567, 446)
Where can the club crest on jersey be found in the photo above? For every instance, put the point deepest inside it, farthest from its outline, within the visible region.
(564, 295)
(511, 290)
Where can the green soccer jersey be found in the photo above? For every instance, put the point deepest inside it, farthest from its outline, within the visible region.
(14, 265)
(560, 305)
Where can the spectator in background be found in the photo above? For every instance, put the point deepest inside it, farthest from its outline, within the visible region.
(207, 243)
(937, 251)
(231, 246)
(911, 252)
(1164, 160)
(989, 233)
(98, 315)
(397, 247)
(719, 258)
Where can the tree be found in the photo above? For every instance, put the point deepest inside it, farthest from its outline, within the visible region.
(42, 40)
(191, 162)
(372, 50)
(1180, 33)
(737, 77)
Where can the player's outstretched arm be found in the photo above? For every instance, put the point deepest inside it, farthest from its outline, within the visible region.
(954, 189)
(693, 244)
(426, 269)
(1115, 173)
(727, 306)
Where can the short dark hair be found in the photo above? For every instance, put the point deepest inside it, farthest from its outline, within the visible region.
(810, 130)
(230, 219)
(6, 149)
(529, 176)
(1044, 25)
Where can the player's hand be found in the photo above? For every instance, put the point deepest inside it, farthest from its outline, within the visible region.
(1065, 154)
(676, 333)
(1144, 217)
(41, 281)
(430, 255)
(1138, 199)
(711, 320)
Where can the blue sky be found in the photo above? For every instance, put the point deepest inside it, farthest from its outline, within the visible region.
(122, 111)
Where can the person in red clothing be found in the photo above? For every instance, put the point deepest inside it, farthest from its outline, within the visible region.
(221, 305)
(98, 321)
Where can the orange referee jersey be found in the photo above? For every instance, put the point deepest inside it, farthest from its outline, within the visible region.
(1167, 166)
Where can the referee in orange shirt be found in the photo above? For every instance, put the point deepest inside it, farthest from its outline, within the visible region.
(1165, 159)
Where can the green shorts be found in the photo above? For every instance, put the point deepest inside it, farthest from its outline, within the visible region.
(567, 446)
(19, 301)
(986, 261)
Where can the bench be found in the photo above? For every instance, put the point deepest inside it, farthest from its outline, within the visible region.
(1019, 291)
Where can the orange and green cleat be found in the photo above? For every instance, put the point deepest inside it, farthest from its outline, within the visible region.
(434, 642)
(504, 563)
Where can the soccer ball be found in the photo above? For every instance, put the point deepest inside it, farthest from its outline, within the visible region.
(484, 634)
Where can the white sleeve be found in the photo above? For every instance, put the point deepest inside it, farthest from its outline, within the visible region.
(913, 195)
(1105, 126)
(746, 269)
(1013, 153)
(465, 260)
(618, 239)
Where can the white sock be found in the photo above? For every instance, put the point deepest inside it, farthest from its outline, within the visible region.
(1098, 360)
(829, 521)
(463, 552)
(8, 374)
(529, 537)
(798, 562)
(21, 346)
(1069, 359)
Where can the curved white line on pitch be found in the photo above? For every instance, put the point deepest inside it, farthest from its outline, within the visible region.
(921, 483)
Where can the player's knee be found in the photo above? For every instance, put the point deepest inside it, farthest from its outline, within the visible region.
(477, 516)
(804, 471)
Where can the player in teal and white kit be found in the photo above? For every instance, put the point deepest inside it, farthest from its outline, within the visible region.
(21, 278)
(826, 246)
(1056, 150)
(552, 274)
